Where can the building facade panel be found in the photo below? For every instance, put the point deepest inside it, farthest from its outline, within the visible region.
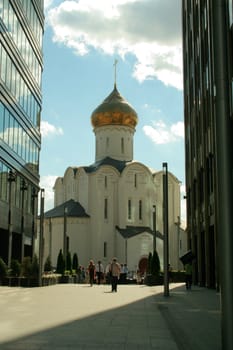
(21, 31)
(200, 115)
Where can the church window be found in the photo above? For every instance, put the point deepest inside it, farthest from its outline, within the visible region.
(105, 182)
(122, 146)
(105, 208)
(135, 180)
(129, 210)
(140, 210)
(107, 142)
(105, 249)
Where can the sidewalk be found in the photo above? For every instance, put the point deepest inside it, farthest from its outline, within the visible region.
(74, 316)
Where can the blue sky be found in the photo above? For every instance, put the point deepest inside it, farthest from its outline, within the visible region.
(82, 39)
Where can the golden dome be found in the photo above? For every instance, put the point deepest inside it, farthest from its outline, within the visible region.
(114, 110)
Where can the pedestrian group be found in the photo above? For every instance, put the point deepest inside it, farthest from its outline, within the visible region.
(113, 274)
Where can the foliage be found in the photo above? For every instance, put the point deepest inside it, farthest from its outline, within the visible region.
(75, 262)
(148, 270)
(155, 264)
(15, 268)
(68, 262)
(60, 263)
(26, 267)
(3, 269)
(35, 267)
(48, 265)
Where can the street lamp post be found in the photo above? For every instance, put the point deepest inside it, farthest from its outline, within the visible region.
(165, 230)
(65, 234)
(154, 227)
(11, 178)
(178, 239)
(34, 196)
(41, 242)
(23, 188)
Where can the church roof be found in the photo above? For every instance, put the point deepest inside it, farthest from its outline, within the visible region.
(118, 164)
(131, 231)
(114, 110)
(72, 209)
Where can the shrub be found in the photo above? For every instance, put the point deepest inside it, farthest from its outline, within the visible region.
(3, 269)
(148, 270)
(75, 262)
(35, 267)
(26, 267)
(60, 263)
(155, 264)
(48, 265)
(15, 268)
(68, 262)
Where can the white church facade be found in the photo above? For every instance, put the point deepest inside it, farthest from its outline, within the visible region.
(105, 210)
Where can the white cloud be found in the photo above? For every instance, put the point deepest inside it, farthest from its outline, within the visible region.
(49, 129)
(148, 29)
(47, 4)
(47, 182)
(160, 133)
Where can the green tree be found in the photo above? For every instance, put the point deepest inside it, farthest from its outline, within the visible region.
(60, 263)
(75, 262)
(155, 264)
(15, 268)
(3, 269)
(48, 264)
(148, 270)
(35, 267)
(68, 262)
(26, 267)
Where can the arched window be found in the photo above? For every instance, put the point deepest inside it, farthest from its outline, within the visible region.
(122, 146)
(140, 210)
(129, 210)
(105, 208)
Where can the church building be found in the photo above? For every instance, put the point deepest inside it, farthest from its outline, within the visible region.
(113, 207)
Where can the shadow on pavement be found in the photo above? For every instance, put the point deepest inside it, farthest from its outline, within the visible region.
(184, 320)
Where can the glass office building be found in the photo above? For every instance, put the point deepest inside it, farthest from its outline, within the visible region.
(21, 64)
(203, 68)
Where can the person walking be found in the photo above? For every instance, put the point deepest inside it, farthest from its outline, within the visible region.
(99, 271)
(91, 271)
(115, 270)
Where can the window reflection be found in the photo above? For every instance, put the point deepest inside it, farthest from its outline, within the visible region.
(19, 89)
(16, 190)
(17, 32)
(17, 138)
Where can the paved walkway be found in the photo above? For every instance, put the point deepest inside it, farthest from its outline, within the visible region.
(74, 316)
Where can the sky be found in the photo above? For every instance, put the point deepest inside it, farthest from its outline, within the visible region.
(82, 40)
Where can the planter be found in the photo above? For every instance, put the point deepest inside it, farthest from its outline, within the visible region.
(151, 280)
(13, 281)
(177, 276)
(66, 279)
(50, 280)
(4, 281)
(29, 282)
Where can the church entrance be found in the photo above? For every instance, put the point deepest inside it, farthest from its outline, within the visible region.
(142, 265)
